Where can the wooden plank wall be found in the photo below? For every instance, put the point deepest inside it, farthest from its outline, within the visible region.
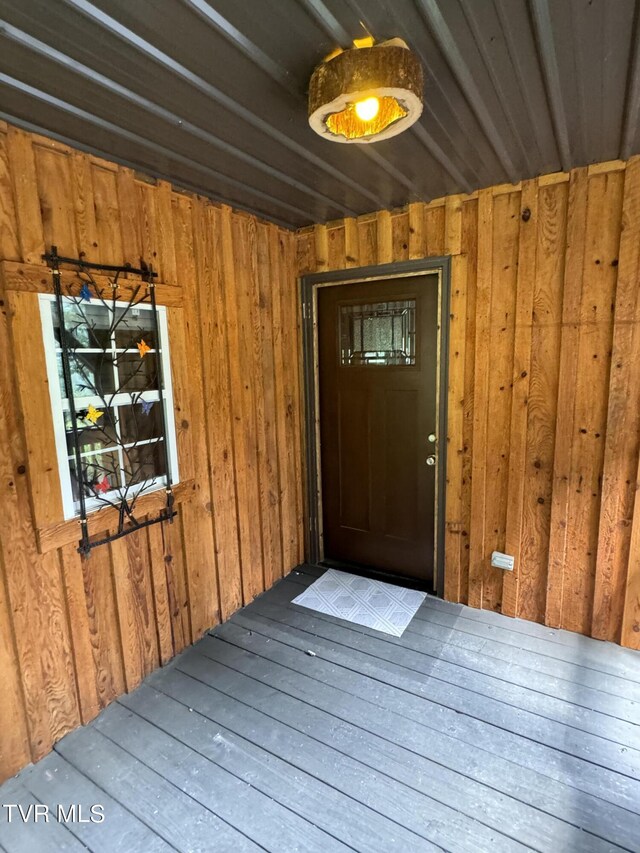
(76, 633)
(544, 387)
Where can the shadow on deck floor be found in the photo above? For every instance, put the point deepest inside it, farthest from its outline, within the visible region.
(472, 732)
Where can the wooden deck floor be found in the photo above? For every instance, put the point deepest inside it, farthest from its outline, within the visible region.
(472, 732)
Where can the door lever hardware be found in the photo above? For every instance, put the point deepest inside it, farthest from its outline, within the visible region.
(431, 460)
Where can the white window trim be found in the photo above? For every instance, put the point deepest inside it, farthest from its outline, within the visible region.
(58, 405)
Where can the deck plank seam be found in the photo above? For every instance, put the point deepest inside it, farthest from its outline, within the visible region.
(460, 666)
(376, 769)
(588, 641)
(177, 787)
(356, 725)
(221, 767)
(340, 623)
(269, 716)
(276, 755)
(119, 800)
(567, 659)
(494, 725)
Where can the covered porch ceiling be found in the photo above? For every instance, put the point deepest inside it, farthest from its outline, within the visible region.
(212, 95)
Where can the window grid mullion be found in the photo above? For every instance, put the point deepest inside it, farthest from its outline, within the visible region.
(123, 483)
(116, 385)
(113, 447)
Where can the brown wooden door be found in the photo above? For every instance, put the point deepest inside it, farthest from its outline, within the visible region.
(378, 413)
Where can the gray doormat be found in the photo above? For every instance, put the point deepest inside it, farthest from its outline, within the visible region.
(367, 602)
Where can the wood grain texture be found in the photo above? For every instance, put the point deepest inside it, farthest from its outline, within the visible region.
(110, 619)
(321, 240)
(435, 229)
(631, 616)
(107, 215)
(351, 246)
(571, 297)
(469, 247)
(198, 511)
(292, 345)
(266, 410)
(33, 586)
(33, 388)
(34, 278)
(91, 604)
(218, 424)
(55, 193)
(238, 322)
(481, 398)
(590, 413)
(9, 244)
(15, 747)
(542, 402)
(160, 586)
(305, 246)
(619, 486)
(80, 622)
(367, 240)
(29, 217)
(336, 245)
(520, 383)
(286, 462)
(543, 435)
(114, 617)
(126, 202)
(417, 233)
(134, 597)
(252, 406)
(385, 237)
(177, 588)
(84, 204)
(507, 223)
(63, 533)
(455, 403)
(400, 237)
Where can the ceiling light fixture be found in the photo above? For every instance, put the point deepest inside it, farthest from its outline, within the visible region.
(367, 109)
(367, 93)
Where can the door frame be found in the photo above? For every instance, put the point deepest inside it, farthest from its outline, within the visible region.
(309, 286)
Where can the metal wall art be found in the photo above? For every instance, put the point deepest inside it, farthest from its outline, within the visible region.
(108, 346)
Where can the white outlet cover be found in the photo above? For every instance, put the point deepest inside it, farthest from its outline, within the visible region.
(502, 561)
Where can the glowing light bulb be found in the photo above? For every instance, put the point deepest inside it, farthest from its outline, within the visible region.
(367, 109)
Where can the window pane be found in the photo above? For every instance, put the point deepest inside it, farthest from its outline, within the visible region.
(382, 333)
(107, 379)
(97, 437)
(136, 373)
(91, 374)
(140, 421)
(101, 470)
(132, 326)
(86, 324)
(144, 463)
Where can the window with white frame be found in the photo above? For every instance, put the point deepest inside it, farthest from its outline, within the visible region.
(114, 371)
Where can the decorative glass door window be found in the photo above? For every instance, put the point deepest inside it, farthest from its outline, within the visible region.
(380, 334)
(113, 360)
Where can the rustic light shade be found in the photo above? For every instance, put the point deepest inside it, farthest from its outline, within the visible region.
(387, 77)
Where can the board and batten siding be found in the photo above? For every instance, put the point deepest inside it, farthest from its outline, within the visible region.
(544, 387)
(75, 633)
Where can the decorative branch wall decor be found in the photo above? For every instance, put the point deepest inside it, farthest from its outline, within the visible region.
(111, 376)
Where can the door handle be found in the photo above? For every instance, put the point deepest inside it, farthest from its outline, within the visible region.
(431, 460)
